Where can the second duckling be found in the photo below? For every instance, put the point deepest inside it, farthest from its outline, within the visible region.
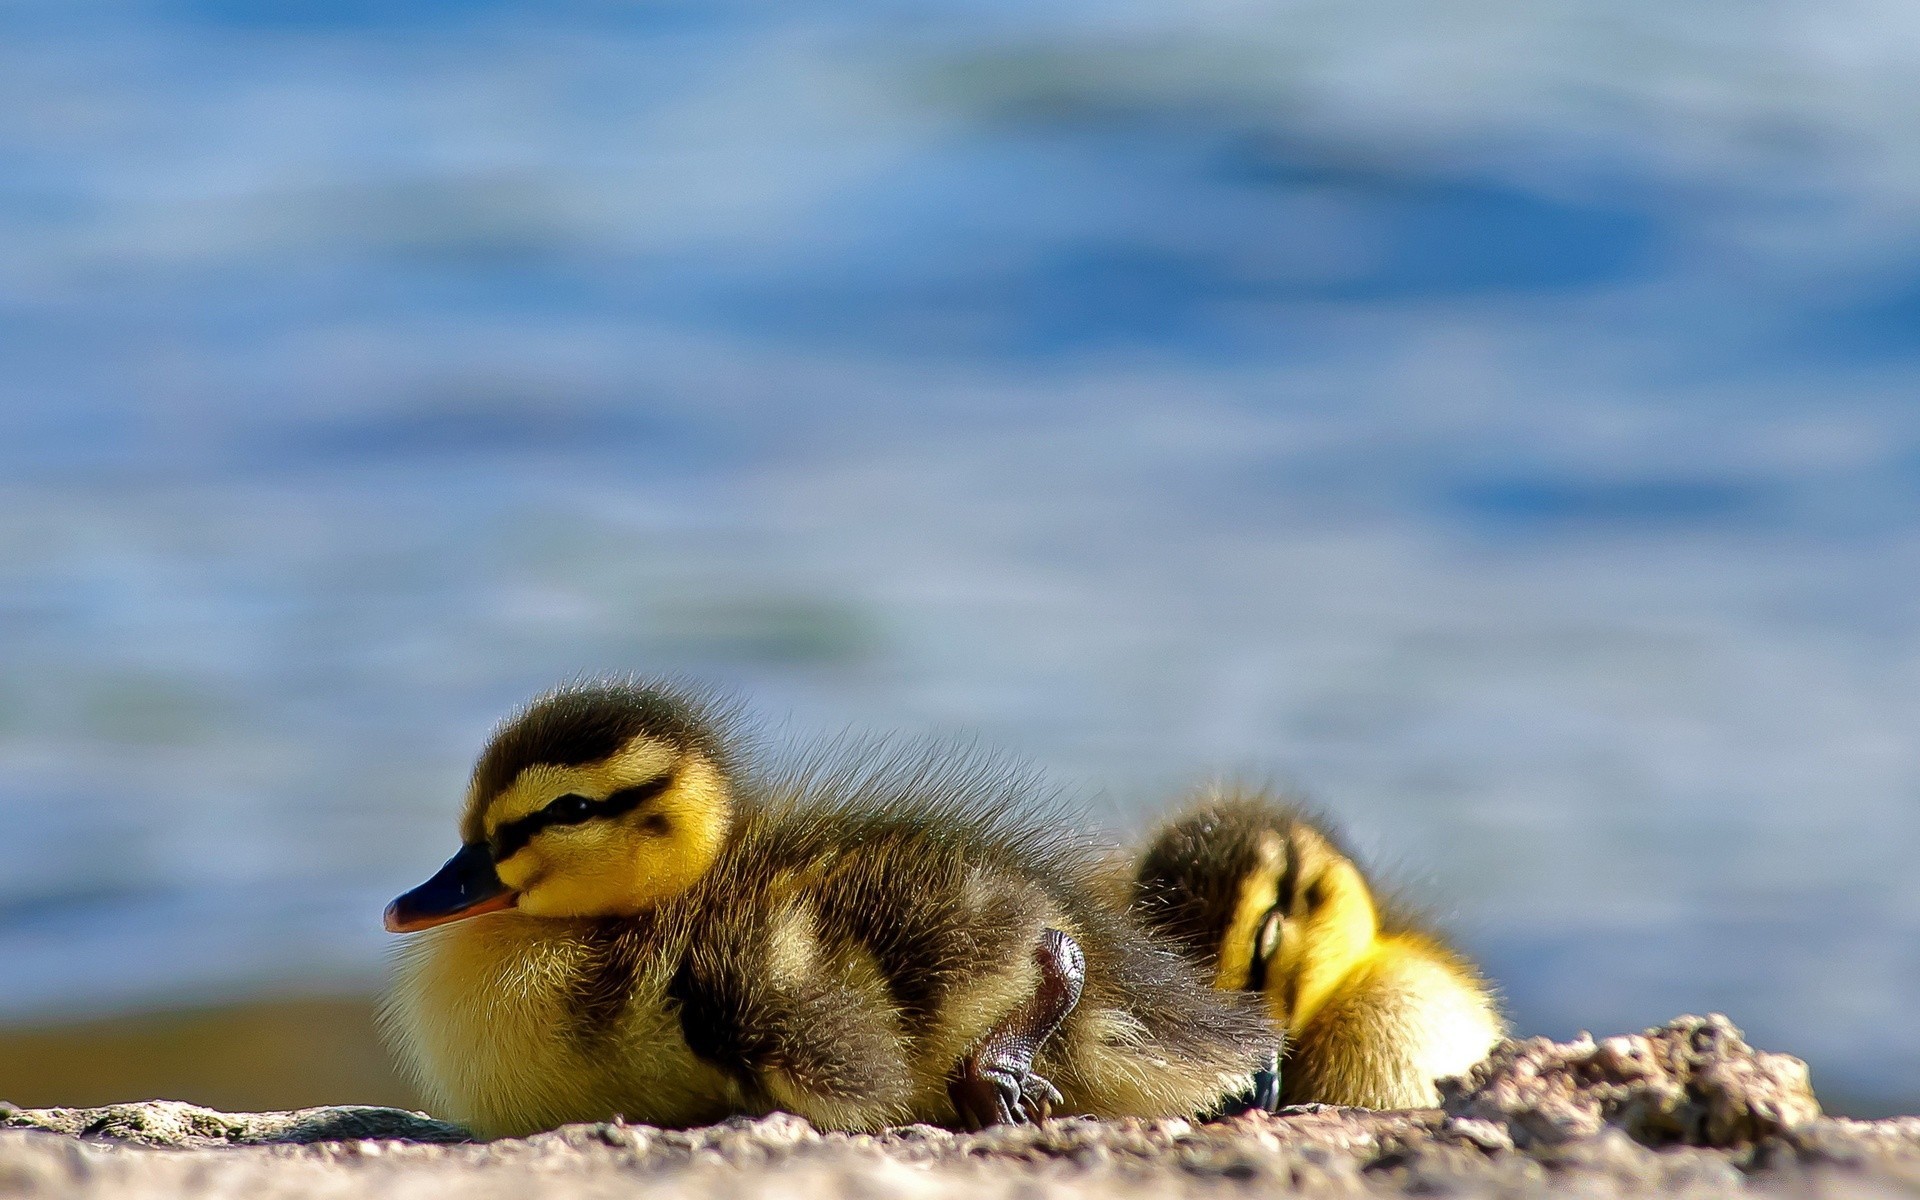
(640, 924)
(1375, 1008)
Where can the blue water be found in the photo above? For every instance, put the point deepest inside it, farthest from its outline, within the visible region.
(1497, 422)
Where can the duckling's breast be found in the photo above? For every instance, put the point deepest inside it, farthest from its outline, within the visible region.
(512, 1024)
(1410, 1014)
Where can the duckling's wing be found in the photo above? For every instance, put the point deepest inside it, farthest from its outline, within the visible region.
(799, 1023)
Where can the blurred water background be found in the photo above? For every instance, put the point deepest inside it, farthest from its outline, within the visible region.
(1494, 419)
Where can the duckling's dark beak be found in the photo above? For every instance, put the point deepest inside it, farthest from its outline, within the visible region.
(466, 887)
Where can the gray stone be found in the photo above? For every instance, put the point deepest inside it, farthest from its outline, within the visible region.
(1692, 1082)
(171, 1123)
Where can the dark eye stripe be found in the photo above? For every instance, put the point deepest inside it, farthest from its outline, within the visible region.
(627, 799)
(1262, 955)
(512, 837)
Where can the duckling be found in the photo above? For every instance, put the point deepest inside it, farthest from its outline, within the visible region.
(639, 923)
(1375, 1007)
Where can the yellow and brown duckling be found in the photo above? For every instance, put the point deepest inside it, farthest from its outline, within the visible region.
(639, 924)
(1375, 1008)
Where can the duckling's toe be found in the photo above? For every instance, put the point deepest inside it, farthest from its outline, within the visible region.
(996, 1084)
(1266, 1085)
(1004, 1095)
(1263, 1096)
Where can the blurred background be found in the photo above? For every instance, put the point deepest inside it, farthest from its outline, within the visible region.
(1496, 420)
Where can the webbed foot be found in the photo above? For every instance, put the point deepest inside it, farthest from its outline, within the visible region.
(1003, 1095)
(1263, 1096)
(996, 1084)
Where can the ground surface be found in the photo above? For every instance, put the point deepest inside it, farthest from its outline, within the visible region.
(1685, 1110)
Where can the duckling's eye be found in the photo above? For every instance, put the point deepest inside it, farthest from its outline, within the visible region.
(569, 809)
(1266, 943)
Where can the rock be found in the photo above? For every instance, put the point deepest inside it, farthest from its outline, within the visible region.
(171, 1123)
(1685, 1110)
(1692, 1082)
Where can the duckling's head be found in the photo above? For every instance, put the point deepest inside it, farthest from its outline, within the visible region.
(597, 800)
(1322, 923)
(1263, 891)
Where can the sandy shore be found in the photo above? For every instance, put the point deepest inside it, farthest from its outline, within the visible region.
(1685, 1110)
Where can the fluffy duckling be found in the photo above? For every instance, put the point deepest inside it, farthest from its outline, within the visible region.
(1374, 1007)
(638, 924)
